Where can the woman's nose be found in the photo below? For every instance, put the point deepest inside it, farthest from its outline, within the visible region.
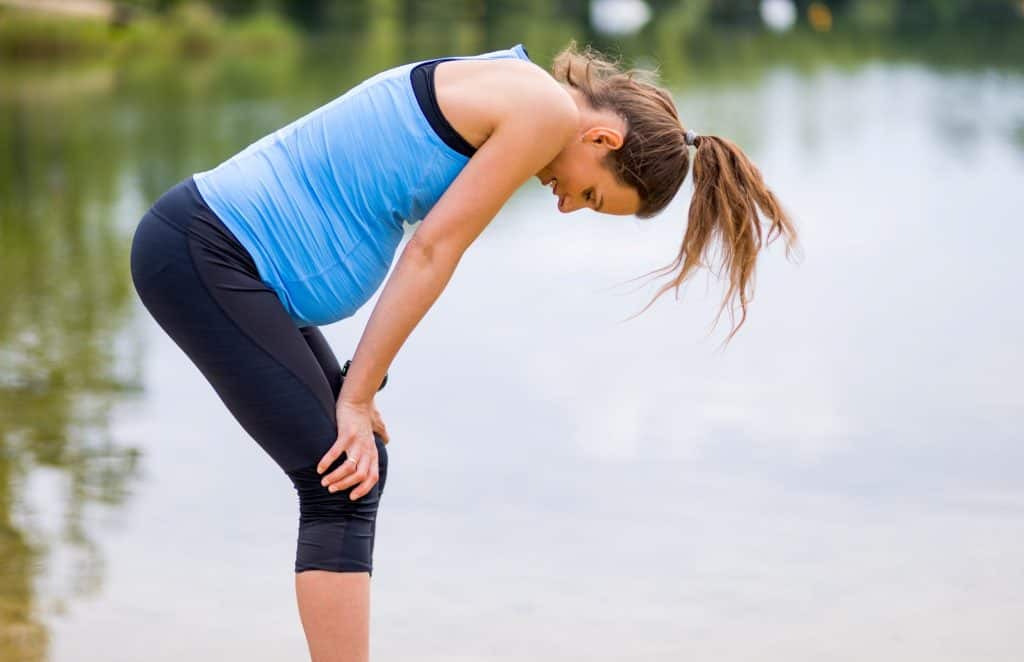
(568, 206)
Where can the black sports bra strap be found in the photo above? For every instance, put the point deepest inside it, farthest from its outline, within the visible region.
(422, 76)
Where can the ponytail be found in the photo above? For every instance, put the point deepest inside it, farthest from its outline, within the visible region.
(728, 192)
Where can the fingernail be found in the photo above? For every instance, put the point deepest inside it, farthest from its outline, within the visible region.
(324, 482)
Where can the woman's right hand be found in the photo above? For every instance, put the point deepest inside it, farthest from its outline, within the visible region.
(355, 438)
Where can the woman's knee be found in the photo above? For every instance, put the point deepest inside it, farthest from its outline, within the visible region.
(335, 532)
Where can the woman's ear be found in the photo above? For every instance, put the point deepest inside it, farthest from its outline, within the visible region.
(603, 135)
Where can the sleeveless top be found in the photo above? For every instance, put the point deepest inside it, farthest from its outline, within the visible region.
(319, 203)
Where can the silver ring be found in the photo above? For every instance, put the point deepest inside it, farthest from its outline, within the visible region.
(352, 459)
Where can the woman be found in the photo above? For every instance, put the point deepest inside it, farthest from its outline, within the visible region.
(242, 263)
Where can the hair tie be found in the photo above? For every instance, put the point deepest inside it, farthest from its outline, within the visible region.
(691, 137)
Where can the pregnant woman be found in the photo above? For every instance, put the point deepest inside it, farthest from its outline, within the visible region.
(240, 264)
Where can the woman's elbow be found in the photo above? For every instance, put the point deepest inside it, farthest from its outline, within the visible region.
(432, 253)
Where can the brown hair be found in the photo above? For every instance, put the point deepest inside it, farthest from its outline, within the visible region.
(654, 159)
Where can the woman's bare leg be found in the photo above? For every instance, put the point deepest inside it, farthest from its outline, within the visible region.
(335, 612)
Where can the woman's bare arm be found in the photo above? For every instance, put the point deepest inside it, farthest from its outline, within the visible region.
(521, 144)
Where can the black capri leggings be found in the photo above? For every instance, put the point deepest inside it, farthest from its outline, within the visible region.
(280, 382)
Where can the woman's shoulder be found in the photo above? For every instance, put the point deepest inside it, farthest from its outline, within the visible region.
(540, 98)
(500, 78)
(477, 95)
(519, 82)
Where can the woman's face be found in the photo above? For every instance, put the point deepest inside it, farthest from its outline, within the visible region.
(579, 178)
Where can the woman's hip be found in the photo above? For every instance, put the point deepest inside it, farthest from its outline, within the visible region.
(180, 229)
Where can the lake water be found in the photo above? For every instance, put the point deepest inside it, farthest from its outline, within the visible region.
(843, 482)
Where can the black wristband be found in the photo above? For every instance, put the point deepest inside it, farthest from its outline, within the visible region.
(344, 371)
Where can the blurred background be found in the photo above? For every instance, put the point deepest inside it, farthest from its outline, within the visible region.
(843, 482)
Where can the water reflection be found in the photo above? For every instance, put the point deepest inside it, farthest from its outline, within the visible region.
(63, 303)
(87, 149)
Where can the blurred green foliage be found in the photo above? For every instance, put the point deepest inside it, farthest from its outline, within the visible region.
(240, 27)
(879, 13)
(186, 30)
(39, 36)
(872, 14)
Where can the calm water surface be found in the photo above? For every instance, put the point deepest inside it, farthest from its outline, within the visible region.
(843, 483)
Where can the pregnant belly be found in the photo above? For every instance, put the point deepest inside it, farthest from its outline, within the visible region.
(337, 291)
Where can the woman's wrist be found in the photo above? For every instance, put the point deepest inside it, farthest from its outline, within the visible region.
(361, 405)
(348, 364)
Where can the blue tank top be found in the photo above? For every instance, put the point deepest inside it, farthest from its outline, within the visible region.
(319, 203)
